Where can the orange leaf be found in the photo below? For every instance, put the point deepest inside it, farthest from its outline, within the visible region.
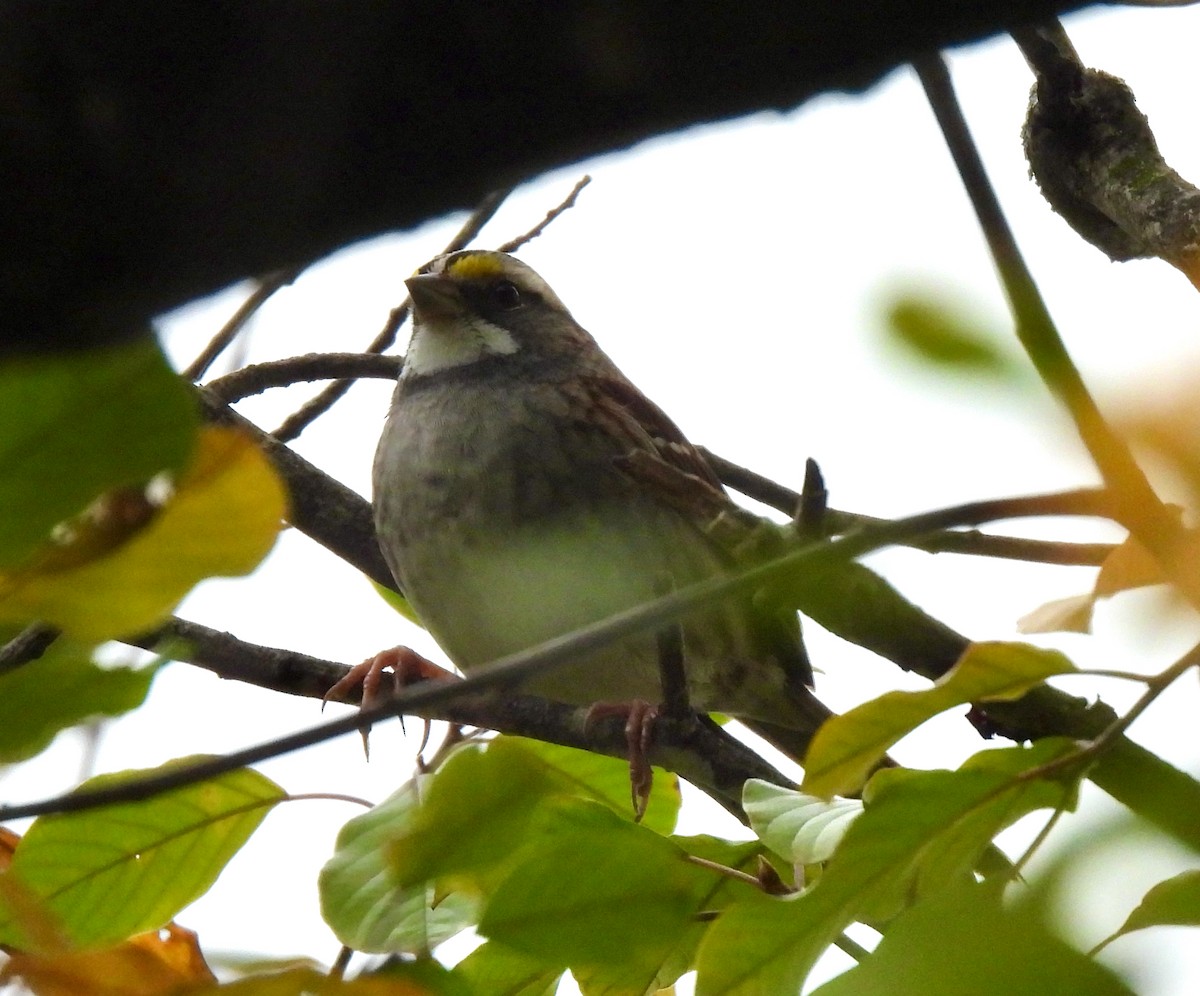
(157, 963)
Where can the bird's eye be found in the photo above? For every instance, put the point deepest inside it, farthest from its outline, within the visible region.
(504, 294)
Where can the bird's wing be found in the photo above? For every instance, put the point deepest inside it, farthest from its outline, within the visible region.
(656, 456)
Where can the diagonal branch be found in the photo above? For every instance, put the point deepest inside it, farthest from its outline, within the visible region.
(1136, 505)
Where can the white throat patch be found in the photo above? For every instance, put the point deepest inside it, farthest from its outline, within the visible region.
(440, 345)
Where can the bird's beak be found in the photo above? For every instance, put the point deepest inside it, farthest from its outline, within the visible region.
(435, 296)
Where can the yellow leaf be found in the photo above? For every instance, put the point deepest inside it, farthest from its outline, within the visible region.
(221, 520)
(1128, 566)
(1063, 615)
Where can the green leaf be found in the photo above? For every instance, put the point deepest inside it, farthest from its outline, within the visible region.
(418, 977)
(921, 832)
(802, 829)
(106, 874)
(478, 805)
(848, 746)
(713, 894)
(222, 519)
(362, 903)
(600, 894)
(75, 424)
(476, 810)
(606, 780)
(965, 942)
(495, 968)
(1175, 902)
(1157, 791)
(62, 688)
(939, 334)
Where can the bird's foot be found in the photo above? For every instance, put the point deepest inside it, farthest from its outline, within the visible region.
(404, 666)
(640, 717)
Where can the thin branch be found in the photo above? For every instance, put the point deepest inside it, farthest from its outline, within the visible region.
(1073, 503)
(267, 286)
(259, 377)
(1110, 739)
(1136, 506)
(320, 403)
(568, 202)
(316, 406)
(1155, 686)
(1035, 845)
(852, 948)
(976, 544)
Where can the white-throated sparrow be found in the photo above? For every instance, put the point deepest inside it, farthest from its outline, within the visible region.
(525, 488)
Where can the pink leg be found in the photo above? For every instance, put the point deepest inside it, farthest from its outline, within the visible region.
(405, 666)
(640, 717)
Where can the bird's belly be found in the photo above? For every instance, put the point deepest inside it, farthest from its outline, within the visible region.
(511, 593)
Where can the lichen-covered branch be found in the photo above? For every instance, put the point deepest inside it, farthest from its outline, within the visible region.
(1095, 157)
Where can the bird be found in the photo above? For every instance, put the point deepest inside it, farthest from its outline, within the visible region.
(524, 488)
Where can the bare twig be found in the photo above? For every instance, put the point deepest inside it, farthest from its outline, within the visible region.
(1067, 503)
(267, 286)
(320, 403)
(1155, 686)
(568, 202)
(312, 409)
(260, 377)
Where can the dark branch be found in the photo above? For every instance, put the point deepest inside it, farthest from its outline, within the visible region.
(259, 377)
(267, 286)
(568, 202)
(323, 509)
(699, 751)
(26, 646)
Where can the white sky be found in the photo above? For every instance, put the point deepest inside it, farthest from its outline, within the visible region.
(736, 274)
